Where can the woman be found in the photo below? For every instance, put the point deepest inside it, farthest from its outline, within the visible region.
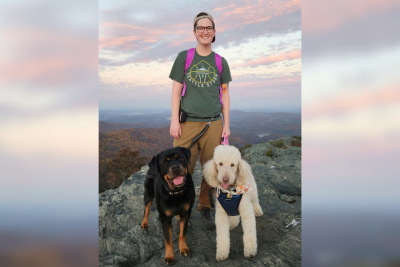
(201, 102)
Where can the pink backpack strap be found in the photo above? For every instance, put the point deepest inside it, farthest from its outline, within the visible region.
(188, 62)
(218, 61)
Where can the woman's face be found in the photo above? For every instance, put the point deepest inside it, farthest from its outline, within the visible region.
(204, 37)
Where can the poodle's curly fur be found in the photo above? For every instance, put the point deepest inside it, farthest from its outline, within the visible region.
(228, 163)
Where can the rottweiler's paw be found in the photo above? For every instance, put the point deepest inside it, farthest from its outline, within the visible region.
(144, 226)
(186, 252)
(169, 260)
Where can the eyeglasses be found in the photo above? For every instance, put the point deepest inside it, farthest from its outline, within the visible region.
(201, 29)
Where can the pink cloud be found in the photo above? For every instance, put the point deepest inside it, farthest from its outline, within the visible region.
(222, 8)
(276, 87)
(121, 25)
(294, 54)
(26, 64)
(383, 97)
(112, 42)
(251, 14)
(150, 40)
(318, 16)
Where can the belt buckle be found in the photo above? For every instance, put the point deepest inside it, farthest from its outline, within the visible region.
(229, 195)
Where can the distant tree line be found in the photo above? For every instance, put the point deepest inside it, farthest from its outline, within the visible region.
(113, 171)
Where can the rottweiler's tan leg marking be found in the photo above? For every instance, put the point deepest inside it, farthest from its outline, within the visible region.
(183, 247)
(145, 221)
(169, 250)
(168, 212)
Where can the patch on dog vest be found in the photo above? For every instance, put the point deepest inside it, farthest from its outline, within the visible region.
(243, 189)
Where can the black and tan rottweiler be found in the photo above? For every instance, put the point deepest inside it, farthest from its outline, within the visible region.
(169, 181)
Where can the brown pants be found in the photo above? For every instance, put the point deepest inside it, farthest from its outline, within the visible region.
(205, 147)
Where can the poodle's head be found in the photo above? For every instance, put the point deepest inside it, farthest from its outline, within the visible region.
(227, 167)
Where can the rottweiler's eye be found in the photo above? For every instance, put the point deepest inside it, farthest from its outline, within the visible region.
(232, 165)
(220, 164)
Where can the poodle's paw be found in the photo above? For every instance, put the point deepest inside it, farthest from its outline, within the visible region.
(257, 210)
(250, 251)
(222, 256)
(234, 222)
(222, 253)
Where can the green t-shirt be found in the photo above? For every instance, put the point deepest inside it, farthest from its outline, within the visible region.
(202, 80)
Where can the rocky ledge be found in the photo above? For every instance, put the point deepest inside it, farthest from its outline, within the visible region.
(277, 171)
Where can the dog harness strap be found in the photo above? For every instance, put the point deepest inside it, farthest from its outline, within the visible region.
(230, 204)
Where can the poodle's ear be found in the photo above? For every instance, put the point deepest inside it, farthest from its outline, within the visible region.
(210, 173)
(153, 166)
(243, 172)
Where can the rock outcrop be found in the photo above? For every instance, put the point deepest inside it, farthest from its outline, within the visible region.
(122, 242)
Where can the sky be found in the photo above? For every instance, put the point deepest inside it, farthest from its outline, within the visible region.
(350, 132)
(139, 41)
(49, 118)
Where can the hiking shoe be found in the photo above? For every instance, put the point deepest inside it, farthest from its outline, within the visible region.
(208, 218)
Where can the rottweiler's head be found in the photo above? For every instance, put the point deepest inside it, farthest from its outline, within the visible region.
(172, 165)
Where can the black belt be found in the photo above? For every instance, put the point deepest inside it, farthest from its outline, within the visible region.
(206, 118)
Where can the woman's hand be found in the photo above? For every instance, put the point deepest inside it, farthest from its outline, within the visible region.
(175, 129)
(226, 132)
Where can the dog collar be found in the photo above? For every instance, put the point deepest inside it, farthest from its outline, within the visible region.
(174, 193)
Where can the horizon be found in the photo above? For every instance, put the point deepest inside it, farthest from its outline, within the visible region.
(158, 111)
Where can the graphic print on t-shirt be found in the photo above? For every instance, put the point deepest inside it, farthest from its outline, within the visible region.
(202, 74)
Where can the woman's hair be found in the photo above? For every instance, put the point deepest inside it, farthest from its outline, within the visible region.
(204, 14)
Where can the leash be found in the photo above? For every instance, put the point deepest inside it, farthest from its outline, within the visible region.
(194, 141)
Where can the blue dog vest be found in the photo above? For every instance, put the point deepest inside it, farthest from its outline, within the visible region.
(230, 204)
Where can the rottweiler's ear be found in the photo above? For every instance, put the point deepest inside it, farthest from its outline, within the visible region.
(153, 164)
(186, 152)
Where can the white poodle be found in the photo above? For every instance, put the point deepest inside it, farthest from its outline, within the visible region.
(227, 171)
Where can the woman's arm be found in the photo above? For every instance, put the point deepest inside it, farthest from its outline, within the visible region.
(175, 128)
(225, 111)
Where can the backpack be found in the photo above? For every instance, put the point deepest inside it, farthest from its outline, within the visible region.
(189, 59)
